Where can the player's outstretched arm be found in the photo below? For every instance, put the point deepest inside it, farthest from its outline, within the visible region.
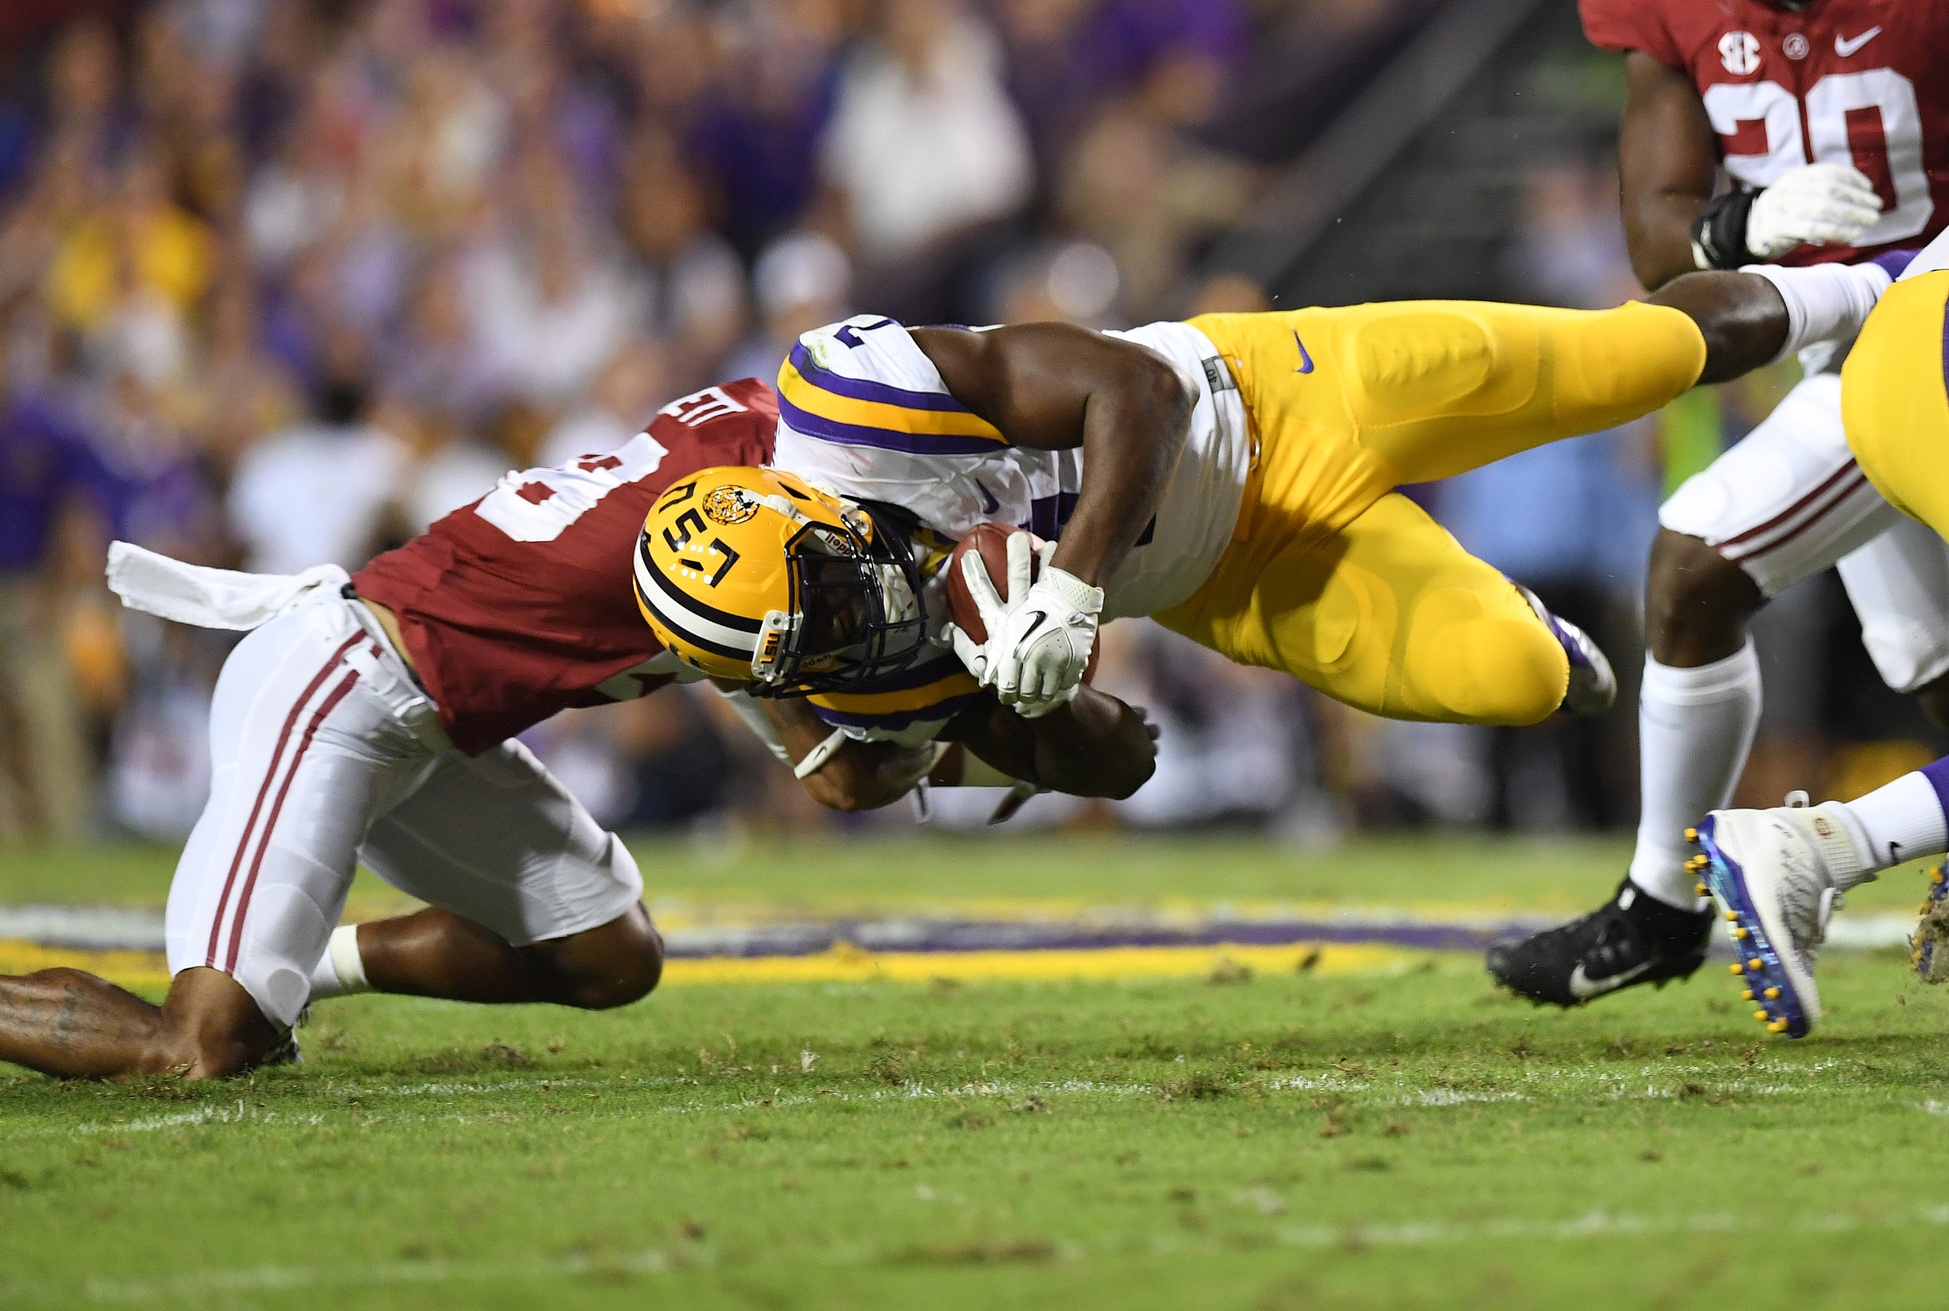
(1095, 746)
(847, 774)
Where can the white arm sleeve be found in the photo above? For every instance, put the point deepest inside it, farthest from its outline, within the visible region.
(1825, 302)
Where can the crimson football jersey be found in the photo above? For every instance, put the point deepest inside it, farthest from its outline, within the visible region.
(520, 604)
(1860, 82)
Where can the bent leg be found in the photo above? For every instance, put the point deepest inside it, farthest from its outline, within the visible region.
(1899, 587)
(1785, 503)
(70, 1024)
(436, 953)
(1697, 602)
(300, 750)
(533, 900)
(1393, 617)
(260, 882)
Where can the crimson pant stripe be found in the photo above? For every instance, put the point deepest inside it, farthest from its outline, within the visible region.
(263, 789)
(325, 708)
(1809, 518)
(1844, 471)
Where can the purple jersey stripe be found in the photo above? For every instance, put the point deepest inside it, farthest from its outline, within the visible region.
(860, 389)
(932, 671)
(1937, 772)
(807, 424)
(1896, 262)
(895, 720)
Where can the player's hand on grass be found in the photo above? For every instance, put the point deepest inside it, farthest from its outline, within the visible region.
(1821, 204)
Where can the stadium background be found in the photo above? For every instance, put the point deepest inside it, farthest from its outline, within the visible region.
(287, 279)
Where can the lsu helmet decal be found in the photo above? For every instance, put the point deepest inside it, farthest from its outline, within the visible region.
(755, 575)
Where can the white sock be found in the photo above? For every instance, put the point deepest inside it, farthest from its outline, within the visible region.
(1825, 302)
(341, 970)
(1899, 821)
(1695, 727)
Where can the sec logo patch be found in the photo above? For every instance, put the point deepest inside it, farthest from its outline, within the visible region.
(1740, 53)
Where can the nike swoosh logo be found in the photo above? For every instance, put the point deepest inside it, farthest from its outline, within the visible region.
(988, 502)
(1305, 360)
(1583, 988)
(1844, 47)
(1039, 617)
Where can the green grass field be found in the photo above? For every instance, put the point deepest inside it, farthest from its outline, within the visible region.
(1410, 1139)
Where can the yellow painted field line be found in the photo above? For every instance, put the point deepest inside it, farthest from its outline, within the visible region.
(140, 970)
(848, 964)
(689, 912)
(147, 971)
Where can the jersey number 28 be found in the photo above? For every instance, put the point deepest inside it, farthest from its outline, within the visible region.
(538, 505)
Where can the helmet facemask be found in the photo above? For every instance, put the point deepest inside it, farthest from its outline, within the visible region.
(856, 615)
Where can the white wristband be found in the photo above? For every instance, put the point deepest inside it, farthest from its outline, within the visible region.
(344, 951)
(1074, 590)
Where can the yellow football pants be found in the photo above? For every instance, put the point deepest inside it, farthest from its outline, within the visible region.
(1349, 586)
(1894, 401)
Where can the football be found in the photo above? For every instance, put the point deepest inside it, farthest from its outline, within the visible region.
(991, 540)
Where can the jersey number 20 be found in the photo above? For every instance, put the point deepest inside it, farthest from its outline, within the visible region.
(1869, 120)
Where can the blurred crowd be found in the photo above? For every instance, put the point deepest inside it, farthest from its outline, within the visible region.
(282, 281)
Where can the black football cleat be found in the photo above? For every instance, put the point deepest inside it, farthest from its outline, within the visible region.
(1631, 939)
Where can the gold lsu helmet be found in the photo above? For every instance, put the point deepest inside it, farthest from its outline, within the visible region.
(755, 575)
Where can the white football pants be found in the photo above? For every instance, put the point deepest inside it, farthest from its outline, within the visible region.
(1789, 501)
(325, 753)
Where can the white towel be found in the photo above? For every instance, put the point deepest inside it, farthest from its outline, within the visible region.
(212, 598)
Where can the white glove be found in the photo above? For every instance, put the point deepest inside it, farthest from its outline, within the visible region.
(1037, 658)
(1825, 204)
(1039, 640)
(989, 603)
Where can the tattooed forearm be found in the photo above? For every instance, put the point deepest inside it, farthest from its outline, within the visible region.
(67, 1021)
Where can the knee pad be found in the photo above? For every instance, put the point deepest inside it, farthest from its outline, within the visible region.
(1468, 662)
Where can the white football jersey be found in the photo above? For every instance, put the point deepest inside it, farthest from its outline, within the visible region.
(863, 412)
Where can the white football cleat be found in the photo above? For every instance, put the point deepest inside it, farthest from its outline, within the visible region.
(1773, 875)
